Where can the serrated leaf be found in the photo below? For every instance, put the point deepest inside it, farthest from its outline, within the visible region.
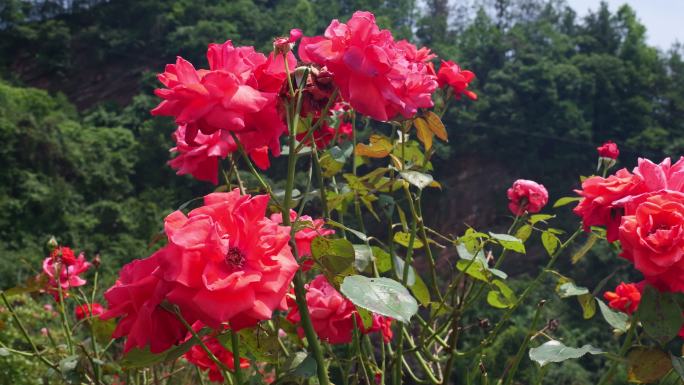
(509, 242)
(378, 147)
(565, 201)
(617, 320)
(660, 315)
(423, 132)
(436, 125)
(555, 351)
(404, 239)
(524, 232)
(380, 295)
(569, 289)
(550, 242)
(418, 179)
(647, 365)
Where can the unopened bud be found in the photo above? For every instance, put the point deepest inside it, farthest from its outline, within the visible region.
(484, 323)
(96, 261)
(52, 243)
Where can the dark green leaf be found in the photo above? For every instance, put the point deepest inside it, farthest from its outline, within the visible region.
(660, 315)
(619, 321)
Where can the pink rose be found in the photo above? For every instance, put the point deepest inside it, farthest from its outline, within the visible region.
(527, 196)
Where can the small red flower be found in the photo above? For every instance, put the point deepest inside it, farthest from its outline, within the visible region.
(309, 229)
(608, 149)
(527, 196)
(625, 298)
(450, 74)
(86, 311)
(198, 357)
(284, 44)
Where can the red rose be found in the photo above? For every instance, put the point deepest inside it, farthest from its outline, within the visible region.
(238, 93)
(65, 270)
(332, 315)
(375, 75)
(86, 311)
(608, 149)
(226, 262)
(200, 160)
(309, 229)
(626, 297)
(414, 54)
(652, 237)
(450, 74)
(136, 297)
(284, 44)
(527, 196)
(198, 357)
(599, 205)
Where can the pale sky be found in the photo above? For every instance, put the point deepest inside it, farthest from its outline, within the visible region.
(664, 19)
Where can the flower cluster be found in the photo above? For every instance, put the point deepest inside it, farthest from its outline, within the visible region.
(644, 210)
(225, 263)
(243, 94)
(334, 316)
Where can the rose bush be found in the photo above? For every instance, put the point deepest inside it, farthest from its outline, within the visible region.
(265, 283)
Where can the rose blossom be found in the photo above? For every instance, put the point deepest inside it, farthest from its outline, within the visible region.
(599, 205)
(226, 262)
(284, 44)
(86, 311)
(332, 315)
(136, 297)
(661, 176)
(375, 75)
(309, 229)
(609, 150)
(450, 74)
(625, 298)
(198, 357)
(527, 196)
(652, 237)
(238, 94)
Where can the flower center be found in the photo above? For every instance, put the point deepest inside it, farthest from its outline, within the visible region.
(235, 258)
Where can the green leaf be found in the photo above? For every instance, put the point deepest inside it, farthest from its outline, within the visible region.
(591, 241)
(366, 317)
(555, 351)
(363, 256)
(399, 270)
(660, 315)
(404, 239)
(330, 163)
(588, 305)
(383, 260)
(550, 242)
(647, 365)
(103, 329)
(363, 237)
(502, 297)
(418, 179)
(259, 343)
(299, 365)
(4, 352)
(619, 321)
(474, 269)
(421, 291)
(509, 242)
(380, 295)
(565, 201)
(524, 232)
(569, 289)
(540, 218)
(336, 255)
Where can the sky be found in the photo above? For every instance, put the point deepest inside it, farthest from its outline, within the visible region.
(664, 19)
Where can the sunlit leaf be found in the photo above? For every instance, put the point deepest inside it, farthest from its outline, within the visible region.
(378, 147)
(418, 179)
(565, 201)
(591, 241)
(524, 232)
(550, 242)
(436, 125)
(569, 289)
(404, 239)
(509, 242)
(555, 351)
(423, 132)
(380, 295)
(588, 305)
